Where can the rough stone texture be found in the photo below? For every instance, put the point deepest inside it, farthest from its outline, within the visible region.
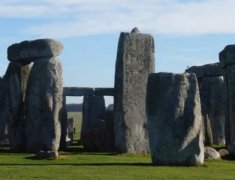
(227, 56)
(77, 91)
(223, 153)
(109, 131)
(212, 94)
(227, 60)
(3, 111)
(211, 153)
(135, 61)
(16, 79)
(206, 70)
(207, 132)
(43, 106)
(70, 129)
(86, 91)
(104, 92)
(28, 51)
(64, 125)
(231, 148)
(92, 132)
(174, 119)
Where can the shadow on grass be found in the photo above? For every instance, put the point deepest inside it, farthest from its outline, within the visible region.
(229, 158)
(100, 165)
(96, 164)
(7, 150)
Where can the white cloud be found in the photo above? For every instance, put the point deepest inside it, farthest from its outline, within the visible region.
(84, 17)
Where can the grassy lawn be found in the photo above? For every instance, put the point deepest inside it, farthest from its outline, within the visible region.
(76, 164)
(82, 165)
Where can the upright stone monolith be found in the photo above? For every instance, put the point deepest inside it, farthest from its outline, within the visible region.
(44, 94)
(227, 61)
(93, 132)
(212, 94)
(64, 126)
(135, 61)
(15, 80)
(3, 111)
(174, 119)
(109, 130)
(44, 103)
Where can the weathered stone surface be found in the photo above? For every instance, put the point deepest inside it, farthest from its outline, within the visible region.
(135, 61)
(231, 148)
(16, 79)
(109, 131)
(64, 125)
(43, 106)
(213, 69)
(227, 56)
(86, 91)
(78, 91)
(70, 129)
(104, 92)
(3, 111)
(227, 60)
(92, 132)
(174, 119)
(28, 51)
(211, 153)
(207, 132)
(212, 94)
(230, 101)
(223, 153)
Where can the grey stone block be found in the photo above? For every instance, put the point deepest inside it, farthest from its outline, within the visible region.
(43, 106)
(78, 91)
(213, 69)
(135, 61)
(212, 94)
(104, 92)
(227, 56)
(16, 79)
(93, 132)
(28, 51)
(3, 111)
(174, 119)
(211, 153)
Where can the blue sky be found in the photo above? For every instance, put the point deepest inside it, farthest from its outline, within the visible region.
(186, 32)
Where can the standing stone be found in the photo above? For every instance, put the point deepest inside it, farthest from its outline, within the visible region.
(135, 61)
(174, 119)
(64, 125)
(92, 132)
(44, 102)
(213, 106)
(16, 79)
(227, 61)
(109, 130)
(70, 129)
(3, 111)
(211, 88)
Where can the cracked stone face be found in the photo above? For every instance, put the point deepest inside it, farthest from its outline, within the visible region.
(174, 119)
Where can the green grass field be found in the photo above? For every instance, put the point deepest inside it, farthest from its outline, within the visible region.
(79, 165)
